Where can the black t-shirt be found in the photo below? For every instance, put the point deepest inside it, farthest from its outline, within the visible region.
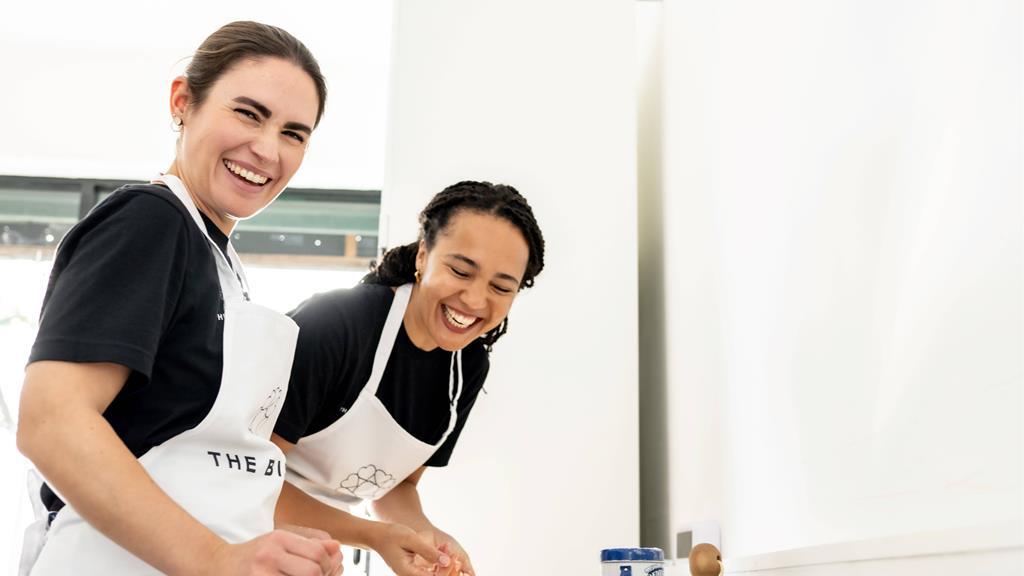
(338, 336)
(135, 283)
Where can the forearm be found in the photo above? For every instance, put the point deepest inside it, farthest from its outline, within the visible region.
(402, 505)
(298, 508)
(117, 495)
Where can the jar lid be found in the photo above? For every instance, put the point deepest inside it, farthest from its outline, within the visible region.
(632, 555)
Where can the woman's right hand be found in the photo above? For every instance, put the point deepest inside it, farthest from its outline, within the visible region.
(279, 553)
(405, 550)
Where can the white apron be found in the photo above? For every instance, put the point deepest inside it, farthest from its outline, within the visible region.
(365, 453)
(225, 472)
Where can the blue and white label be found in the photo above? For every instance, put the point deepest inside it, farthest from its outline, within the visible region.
(634, 569)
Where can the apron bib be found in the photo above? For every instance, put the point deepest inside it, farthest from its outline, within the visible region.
(365, 453)
(225, 472)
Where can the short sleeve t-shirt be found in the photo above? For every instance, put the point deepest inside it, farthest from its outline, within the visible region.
(135, 283)
(338, 336)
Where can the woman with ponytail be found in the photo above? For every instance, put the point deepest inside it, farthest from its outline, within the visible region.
(152, 378)
(386, 373)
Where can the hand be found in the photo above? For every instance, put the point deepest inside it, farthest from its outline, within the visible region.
(331, 546)
(455, 569)
(450, 546)
(408, 553)
(279, 553)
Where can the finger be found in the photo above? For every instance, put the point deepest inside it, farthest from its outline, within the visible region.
(457, 554)
(330, 546)
(338, 570)
(432, 555)
(292, 565)
(336, 560)
(310, 550)
(447, 571)
(333, 549)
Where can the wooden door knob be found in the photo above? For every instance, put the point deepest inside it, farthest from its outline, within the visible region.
(705, 560)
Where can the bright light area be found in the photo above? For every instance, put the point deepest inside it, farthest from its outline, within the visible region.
(89, 93)
(19, 314)
(283, 290)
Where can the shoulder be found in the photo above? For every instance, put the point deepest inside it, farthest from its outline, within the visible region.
(135, 218)
(136, 200)
(142, 212)
(350, 319)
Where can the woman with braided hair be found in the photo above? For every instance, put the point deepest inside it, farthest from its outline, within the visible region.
(386, 373)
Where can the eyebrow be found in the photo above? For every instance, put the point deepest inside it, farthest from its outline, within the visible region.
(267, 114)
(469, 262)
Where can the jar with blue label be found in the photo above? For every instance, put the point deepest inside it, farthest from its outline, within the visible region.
(632, 562)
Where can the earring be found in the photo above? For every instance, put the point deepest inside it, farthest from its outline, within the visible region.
(417, 276)
(177, 122)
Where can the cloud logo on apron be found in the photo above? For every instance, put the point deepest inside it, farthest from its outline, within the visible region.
(267, 412)
(368, 483)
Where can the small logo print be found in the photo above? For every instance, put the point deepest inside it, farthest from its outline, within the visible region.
(368, 483)
(267, 411)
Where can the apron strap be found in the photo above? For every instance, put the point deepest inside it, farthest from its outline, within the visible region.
(454, 393)
(387, 343)
(231, 260)
(387, 337)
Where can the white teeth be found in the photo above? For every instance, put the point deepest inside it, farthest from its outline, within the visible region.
(250, 176)
(459, 320)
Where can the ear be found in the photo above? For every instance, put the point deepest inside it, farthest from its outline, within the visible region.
(181, 96)
(421, 256)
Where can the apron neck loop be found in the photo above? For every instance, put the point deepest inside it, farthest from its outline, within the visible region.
(453, 380)
(234, 264)
(454, 393)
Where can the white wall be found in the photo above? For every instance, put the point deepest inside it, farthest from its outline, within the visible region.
(843, 260)
(538, 95)
(86, 85)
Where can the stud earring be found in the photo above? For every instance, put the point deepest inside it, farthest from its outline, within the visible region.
(417, 276)
(177, 122)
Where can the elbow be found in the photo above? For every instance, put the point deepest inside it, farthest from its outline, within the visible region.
(34, 428)
(62, 403)
(28, 435)
(25, 438)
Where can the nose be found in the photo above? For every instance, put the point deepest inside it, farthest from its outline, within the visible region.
(265, 146)
(475, 296)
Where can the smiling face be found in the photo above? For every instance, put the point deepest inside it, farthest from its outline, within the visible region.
(239, 148)
(469, 279)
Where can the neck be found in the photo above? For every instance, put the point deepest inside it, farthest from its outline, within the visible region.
(223, 223)
(414, 322)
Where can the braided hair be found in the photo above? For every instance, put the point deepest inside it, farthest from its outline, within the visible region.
(398, 265)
